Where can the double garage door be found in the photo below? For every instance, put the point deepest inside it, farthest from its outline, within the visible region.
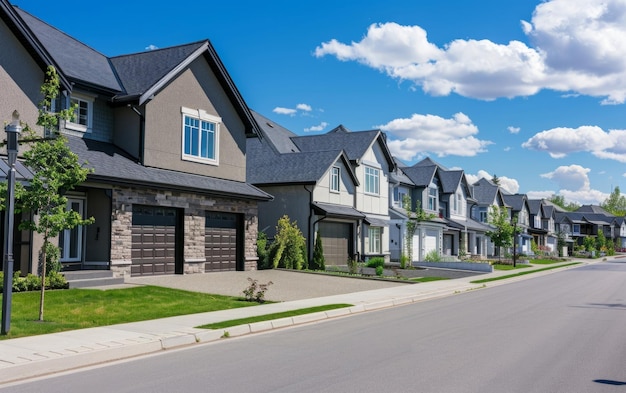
(157, 240)
(336, 242)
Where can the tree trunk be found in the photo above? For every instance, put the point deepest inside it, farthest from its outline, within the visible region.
(43, 276)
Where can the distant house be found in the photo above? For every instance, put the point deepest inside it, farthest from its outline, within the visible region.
(333, 184)
(520, 210)
(487, 196)
(165, 133)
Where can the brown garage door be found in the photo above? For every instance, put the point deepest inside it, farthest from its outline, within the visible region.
(222, 245)
(153, 249)
(335, 242)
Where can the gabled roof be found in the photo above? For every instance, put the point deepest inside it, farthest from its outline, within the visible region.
(450, 180)
(535, 206)
(74, 59)
(112, 165)
(276, 136)
(355, 144)
(428, 162)
(594, 209)
(421, 176)
(515, 201)
(486, 193)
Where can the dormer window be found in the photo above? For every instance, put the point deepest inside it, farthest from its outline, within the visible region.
(432, 198)
(335, 176)
(200, 136)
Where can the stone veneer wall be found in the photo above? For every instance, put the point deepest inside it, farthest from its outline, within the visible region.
(194, 207)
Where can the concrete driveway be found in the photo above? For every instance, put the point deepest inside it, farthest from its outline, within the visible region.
(287, 285)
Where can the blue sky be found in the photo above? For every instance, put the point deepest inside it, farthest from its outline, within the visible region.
(531, 91)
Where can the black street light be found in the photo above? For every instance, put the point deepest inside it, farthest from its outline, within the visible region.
(13, 130)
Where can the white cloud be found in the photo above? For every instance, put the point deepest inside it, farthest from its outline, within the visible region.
(539, 194)
(419, 134)
(151, 47)
(513, 130)
(561, 141)
(319, 127)
(574, 184)
(577, 47)
(509, 185)
(293, 111)
(284, 111)
(508, 148)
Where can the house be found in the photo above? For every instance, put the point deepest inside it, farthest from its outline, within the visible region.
(333, 184)
(165, 133)
(486, 196)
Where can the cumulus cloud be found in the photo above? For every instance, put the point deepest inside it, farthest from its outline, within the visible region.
(574, 184)
(506, 183)
(561, 141)
(575, 47)
(513, 130)
(420, 134)
(300, 108)
(319, 127)
(151, 47)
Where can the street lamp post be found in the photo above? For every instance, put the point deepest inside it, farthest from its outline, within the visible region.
(13, 130)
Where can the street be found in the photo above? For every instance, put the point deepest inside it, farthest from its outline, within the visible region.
(561, 332)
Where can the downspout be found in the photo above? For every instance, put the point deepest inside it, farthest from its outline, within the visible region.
(310, 239)
(142, 127)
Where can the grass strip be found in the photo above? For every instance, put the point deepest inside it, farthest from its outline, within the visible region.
(269, 317)
(521, 273)
(500, 266)
(427, 279)
(71, 309)
(544, 261)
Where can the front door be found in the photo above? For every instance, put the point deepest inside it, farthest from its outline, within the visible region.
(71, 240)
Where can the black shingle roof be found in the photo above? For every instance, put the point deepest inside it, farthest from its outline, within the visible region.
(138, 72)
(450, 180)
(112, 165)
(485, 192)
(76, 60)
(421, 176)
(276, 135)
(355, 144)
(516, 201)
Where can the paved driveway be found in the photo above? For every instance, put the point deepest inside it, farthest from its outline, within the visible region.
(287, 285)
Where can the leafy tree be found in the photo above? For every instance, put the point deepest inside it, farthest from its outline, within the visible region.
(561, 241)
(600, 240)
(559, 200)
(289, 247)
(495, 180)
(262, 251)
(615, 203)
(502, 234)
(318, 262)
(415, 216)
(56, 170)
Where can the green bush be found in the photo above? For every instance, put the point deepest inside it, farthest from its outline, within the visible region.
(433, 256)
(32, 282)
(289, 247)
(376, 262)
(353, 265)
(404, 261)
(262, 251)
(379, 271)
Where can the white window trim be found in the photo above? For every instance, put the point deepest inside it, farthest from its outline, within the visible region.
(375, 247)
(377, 193)
(332, 179)
(70, 125)
(200, 114)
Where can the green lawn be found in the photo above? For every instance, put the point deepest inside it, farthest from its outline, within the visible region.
(427, 279)
(498, 266)
(522, 273)
(544, 261)
(72, 309)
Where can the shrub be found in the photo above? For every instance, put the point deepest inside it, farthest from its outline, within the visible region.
(318, 262)
(379, 270)
(353, 265)
(289, 248)
(376, 262)
(404, 261)
(262, 251)
(32, 282)
(433, 256)
(255, 292)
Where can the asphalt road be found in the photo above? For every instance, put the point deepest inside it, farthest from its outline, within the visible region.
(562, 332)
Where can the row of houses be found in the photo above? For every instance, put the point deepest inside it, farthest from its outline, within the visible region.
(185, 174)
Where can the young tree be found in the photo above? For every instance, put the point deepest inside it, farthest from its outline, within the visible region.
(289, 247)
(318, 262)
(56, 169)
(495, 180)
(502, 234)
(415, 216)
(559, 200)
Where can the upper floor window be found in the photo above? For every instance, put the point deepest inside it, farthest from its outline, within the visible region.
(399, 195)
(335, 176)
(83, 113)
(537, 223)
(432, 199)
(576, 229)
(372, 180)
(483, 214)
(200, 136)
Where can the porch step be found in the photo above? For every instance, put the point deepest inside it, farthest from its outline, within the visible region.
(91, 278)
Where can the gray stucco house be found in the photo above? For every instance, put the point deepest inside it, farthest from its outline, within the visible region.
(165, 132)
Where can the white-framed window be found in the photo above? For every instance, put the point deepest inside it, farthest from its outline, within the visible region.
(374, 240)
(200, 136)
(372, 180)
(432, 199)
(483, 214)
(83, 114)
(399, 193)
(335, 178)
(71, 240)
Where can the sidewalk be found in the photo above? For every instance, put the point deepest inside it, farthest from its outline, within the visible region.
(27, 357)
